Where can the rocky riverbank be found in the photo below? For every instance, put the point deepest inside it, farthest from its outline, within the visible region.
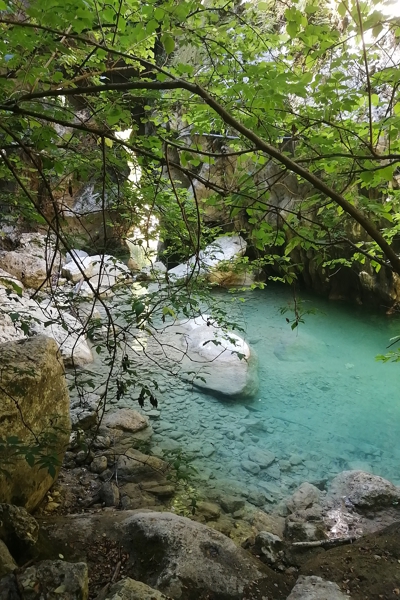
(133, 512)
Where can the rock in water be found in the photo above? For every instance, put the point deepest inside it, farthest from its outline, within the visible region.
(34, 405)
(187, 560)
(211, 358)
(304, 497)
(126, 419)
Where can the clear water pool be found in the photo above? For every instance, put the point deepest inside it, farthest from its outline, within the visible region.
(324, 403)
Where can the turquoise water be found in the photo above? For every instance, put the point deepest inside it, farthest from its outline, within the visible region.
(324, 403)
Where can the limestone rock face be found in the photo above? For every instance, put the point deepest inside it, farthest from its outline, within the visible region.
(364, 490)
(212, 359)
(46, 320)
(31, 260)
(34, 401)
(129, 589)
(315, 588)
(212, 260)
(188, 560)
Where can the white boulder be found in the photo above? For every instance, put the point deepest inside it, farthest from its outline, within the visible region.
(223, 249)
(75, 269)
(152, 272)
(212, 358)
(106, 272)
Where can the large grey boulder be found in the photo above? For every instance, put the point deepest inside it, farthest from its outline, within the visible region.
(34, 411)
(363, 490)
(77, 267)
(20, 316)
(129, 589)
(212, 358)
(212, 260)
(187, 560)
(315, 588)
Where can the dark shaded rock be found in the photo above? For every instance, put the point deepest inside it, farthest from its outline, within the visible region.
(18, 529)
(109, 493)
(270, 547)
(190, 561)
(7, 563)
(369, 567)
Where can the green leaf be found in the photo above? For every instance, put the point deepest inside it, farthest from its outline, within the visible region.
(168, 43)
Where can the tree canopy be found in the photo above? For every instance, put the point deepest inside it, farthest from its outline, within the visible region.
(314, 89)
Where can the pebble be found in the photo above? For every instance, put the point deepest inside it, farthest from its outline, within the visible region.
(250, 467)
